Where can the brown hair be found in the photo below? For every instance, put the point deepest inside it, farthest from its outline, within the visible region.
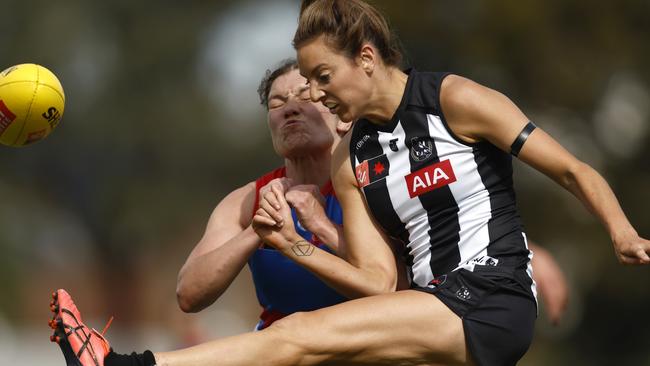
(347, 24)
(269, 77)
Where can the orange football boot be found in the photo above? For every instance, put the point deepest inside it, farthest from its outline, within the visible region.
(81, 346)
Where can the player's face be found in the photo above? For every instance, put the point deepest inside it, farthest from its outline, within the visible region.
(298, 126)
(335, 80)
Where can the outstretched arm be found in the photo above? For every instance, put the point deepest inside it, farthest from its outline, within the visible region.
(222, 252)
(547, 156)
(477, 113)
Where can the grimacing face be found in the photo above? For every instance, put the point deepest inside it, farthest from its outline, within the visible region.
(335, 80)
(298, 126)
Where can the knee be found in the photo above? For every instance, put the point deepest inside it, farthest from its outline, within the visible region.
(296, 331)
(291, 327)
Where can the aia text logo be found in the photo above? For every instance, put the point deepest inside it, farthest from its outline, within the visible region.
(429, 178)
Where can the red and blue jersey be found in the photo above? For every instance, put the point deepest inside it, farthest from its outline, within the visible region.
(282, 286)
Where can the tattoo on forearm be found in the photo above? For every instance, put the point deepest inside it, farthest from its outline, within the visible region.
(302, 248)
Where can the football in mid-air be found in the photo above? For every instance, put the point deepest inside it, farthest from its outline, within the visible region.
(31, 104)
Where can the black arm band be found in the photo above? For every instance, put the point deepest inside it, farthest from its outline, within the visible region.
(521, 139)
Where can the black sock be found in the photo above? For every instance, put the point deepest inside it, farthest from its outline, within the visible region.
(134, 359)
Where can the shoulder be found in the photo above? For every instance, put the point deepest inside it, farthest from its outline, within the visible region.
(341, 166)
(458, 93)
(472, 110)
(242, 196)
(342, 151)
(462, 95)
(238, 204)
(242, 193)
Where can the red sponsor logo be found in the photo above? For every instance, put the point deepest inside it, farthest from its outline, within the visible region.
(6, 117)
(429, 178)
(363, 175)
(35, 136)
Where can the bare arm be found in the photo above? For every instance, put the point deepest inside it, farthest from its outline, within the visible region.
(476, 113)
(221, 253)
(370, 268)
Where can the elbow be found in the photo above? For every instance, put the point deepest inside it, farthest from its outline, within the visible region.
(372, 285)
(186, 303)
(382, 279)
(387, 284)
(573, 175)
(186, 299)
(383, 290)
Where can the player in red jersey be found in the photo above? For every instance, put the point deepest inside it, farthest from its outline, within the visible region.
(303, 134)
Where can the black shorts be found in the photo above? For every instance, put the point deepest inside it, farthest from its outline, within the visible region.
(498, 310)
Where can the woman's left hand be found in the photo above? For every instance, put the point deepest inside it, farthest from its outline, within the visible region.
(277, 234)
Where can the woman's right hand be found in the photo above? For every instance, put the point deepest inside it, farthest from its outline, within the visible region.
(632, 249)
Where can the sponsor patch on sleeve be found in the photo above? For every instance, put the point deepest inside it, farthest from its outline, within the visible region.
(372, 170)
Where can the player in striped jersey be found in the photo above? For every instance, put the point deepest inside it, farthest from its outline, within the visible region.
(428, 161)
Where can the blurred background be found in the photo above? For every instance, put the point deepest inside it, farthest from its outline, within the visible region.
(162, 120)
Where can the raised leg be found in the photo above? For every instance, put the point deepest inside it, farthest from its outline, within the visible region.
(402, 328)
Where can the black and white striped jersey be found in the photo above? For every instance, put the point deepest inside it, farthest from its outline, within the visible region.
(451, 203)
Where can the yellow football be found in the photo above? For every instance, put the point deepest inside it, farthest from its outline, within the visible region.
(31, 104)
